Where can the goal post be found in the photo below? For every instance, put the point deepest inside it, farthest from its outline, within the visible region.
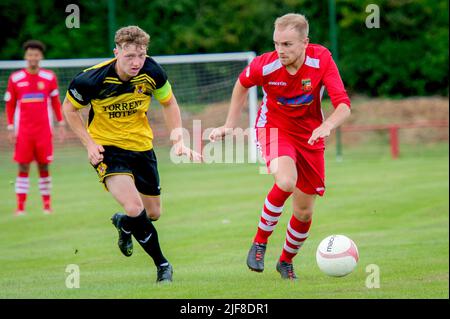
(197, 79)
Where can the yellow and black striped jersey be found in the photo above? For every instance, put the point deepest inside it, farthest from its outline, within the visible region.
(118, 113)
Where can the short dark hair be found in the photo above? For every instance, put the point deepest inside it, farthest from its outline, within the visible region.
(34, 44)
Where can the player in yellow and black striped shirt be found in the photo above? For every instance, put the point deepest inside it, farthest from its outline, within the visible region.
(118, 105)
(118, 137)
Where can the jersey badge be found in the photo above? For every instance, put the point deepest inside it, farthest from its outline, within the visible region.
(139, 88)
(306, 85)
(101, 169)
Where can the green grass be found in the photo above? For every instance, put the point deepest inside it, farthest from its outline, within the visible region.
(395, 211)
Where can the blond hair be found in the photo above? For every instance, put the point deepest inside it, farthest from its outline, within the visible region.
(295, 21)
(131, 35)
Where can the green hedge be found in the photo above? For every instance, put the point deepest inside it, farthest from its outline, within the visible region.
(407, 55)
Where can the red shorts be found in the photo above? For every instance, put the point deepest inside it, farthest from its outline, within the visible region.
(29, 148)
(310, 164)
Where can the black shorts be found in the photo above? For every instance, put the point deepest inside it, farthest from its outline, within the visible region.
(141, 166)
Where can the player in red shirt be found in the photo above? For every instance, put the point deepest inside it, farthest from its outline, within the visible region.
(28, 97)
(290, 129)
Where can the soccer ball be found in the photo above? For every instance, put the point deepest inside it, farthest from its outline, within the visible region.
(337, 255)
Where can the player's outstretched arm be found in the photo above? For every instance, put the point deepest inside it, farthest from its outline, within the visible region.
(238, 100)
(336, 118)
(172, 117)
(76, 123)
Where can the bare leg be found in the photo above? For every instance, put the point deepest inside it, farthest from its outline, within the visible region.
(124, 191)
(24, 168)
(284, 172)
(152, 205)
(303, 205)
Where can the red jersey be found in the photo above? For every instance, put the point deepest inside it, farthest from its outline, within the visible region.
(292, 103)
(28, 98)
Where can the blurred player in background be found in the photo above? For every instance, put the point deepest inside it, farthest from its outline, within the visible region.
(31, 99)
(290, 130)
(118, 137)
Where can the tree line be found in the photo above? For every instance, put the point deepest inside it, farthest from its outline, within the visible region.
(406, 55)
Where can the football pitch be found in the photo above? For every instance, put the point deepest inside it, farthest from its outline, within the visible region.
(396, 211)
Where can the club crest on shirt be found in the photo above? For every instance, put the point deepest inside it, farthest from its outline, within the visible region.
(40, 85)
(306, 85)
(139, 88)
(101, 169)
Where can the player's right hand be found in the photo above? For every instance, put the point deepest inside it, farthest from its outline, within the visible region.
(95, 153)
(219, 132)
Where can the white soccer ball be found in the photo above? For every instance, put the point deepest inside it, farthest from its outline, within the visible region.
(337, 255)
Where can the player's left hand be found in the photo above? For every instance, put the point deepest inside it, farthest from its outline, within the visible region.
(322, 131)
(180, 149)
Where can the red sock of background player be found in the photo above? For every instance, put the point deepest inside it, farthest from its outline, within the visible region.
(22, 187)
(296, 234)
(45, 185)
(273, 206)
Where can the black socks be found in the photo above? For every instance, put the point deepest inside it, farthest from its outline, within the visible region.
(145, 233)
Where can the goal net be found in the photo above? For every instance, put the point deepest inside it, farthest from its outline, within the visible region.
(202, 84)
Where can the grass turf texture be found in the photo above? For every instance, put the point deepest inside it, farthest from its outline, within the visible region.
(395, 211)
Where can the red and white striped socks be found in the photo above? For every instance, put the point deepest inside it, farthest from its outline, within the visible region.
(296, 234)
(22, 188)
(45, 185)
(273, 207)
